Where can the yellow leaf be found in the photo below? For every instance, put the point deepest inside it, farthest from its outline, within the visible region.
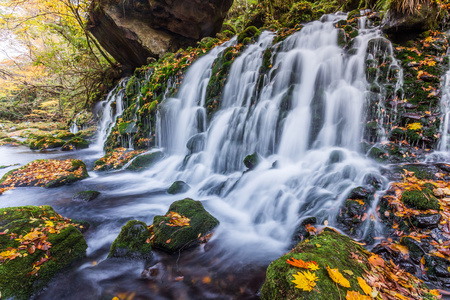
(348, 272)
(337, 277)
(414, 126)
(305, 281)
(364, 286)
(352, 295)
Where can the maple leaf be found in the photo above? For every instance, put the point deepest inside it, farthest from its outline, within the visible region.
(352, 295)
(305, 281)
(312, 265)
(364, 286)
(337, 277)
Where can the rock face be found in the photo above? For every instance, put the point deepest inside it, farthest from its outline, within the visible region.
(132, 31)
(35, 244)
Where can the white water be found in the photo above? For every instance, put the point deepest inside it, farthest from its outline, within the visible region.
(306, 123)
(445, 107)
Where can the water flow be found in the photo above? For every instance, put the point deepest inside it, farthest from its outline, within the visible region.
(445, 107)
(112, 108)
(304, 122)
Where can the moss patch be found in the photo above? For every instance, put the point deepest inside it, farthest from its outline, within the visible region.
(145, 161)
(133, 241)
(420, 199)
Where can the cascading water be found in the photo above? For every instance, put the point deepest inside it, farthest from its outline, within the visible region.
(112, 108)
(445, 107)
(304, 121)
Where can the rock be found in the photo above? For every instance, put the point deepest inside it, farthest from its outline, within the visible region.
(336, 156)
(133, 242)
(18, 278)
(132, 31)
(332, 249)
(196, 143)
(63, 172)
(362, 193)
(178, 187)
(428, 221)
(45, 142)
(65, 135)
(144, 161)
(421, 200)
(416, 251)
(252, 160)
(75, 143)
(249, 32)
(86, 196)
(155, 273)
(401, 26)
(174, 238)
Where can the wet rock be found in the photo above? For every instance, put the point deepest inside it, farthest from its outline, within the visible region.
(175, 238)
(252, 160)
(145, 161)
(155, 273)
(178, 187)
(301, 232)
(19, 279)
(363, 193)
(437, 266)
(86, 196)
(335, 157)
(45, 142)
(416, 251)
(133, 242)
(196, 143)
(428, 221)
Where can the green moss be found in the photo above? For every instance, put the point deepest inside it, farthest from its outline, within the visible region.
(132, 242)
(65, 135)
(144, 161)
(174, 238)
(421, 200)
(75, 143)
(45, 142)
(66, 247)
(252, 160)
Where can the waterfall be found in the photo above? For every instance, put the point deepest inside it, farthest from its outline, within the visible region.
(445, 107)
(304, 117)
(112, 108)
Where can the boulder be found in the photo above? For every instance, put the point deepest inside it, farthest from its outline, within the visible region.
(178, 187)
(133, 242)
(132, 31)
(86, 196)
(185, 225)
(48, 173)
(35, 244)
(335, 255)
(75, 143)
(252, 160)
(144, 161)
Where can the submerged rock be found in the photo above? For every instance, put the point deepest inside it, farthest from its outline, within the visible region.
(252, 160)
(35, 244)
(182, 233)
(86, 196)
(133, 241)
(178, 187)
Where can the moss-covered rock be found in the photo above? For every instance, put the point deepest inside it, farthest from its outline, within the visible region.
(46, 173)
(115, 159)
(175, 238)
(144, 161)
(250, 32)
(338, 252)
(133, 241)
(252, 160)
(24, 272)
(421, 199)
(75, 143)
(65, 135)
(45, 142)
(178, 187)
(86, 196)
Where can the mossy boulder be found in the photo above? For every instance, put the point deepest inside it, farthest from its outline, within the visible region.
(144, 161)
(48, 173)
(133, 241)
(31, 267)
(250, 32)
(65, 135)
(421, 199)
(336, 251)
(252, 160)
(86, 196)
(75, 143)
(45, 142)
(178, 187)
(174, 238)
